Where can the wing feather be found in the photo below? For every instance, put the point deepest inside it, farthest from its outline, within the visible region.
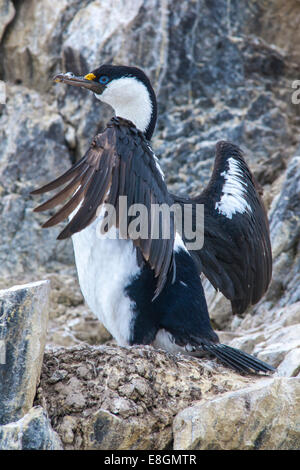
(71, 205)
(119, 162)
(236, 256)
(73, 171)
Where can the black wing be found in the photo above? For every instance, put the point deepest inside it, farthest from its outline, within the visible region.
(236, 256)
(118, 163)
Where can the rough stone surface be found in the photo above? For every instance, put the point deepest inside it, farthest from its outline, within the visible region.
(285, 238)
(23, 326)
(32, 432)
(31, 143)
(125, 398)
(272, 337)
(263, 416)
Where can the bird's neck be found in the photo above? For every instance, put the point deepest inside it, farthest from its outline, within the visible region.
(133, 100)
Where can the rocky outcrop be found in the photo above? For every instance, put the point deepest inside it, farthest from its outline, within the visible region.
(23, 327)
(31, 146)
(125, 398)
(264, 416)
(32, 432)
(285, 238)
(133, 398)
(139, 398)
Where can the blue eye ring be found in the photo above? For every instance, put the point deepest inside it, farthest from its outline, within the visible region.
(103, 80)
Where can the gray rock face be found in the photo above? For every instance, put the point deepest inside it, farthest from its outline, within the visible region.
(285, 238)
(32, 149)
(32, 432)
(23, 326)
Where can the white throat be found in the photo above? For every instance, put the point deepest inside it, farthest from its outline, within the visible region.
(130, 100)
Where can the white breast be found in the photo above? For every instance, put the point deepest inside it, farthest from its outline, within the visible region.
(105, 267)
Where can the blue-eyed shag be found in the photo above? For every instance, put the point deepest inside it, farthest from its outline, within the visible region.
(148, 290)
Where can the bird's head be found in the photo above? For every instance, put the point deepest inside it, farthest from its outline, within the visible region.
(126, 89)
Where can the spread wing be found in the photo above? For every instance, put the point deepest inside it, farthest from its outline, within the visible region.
(118, 163)
(236, 256)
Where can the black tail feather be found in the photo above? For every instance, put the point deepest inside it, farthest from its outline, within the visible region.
(236, 359)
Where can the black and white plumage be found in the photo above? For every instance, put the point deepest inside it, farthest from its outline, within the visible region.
(236, 256)
(148, 291)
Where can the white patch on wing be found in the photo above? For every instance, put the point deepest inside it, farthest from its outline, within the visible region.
(130, 100)
(178, 244)
(105, 267)
(164, 340)
(157, 162)
(158, 166)
(233, 198)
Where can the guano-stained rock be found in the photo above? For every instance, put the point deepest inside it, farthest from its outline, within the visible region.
(125, 398)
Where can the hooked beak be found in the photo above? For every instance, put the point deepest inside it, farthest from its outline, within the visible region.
(85, 82)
